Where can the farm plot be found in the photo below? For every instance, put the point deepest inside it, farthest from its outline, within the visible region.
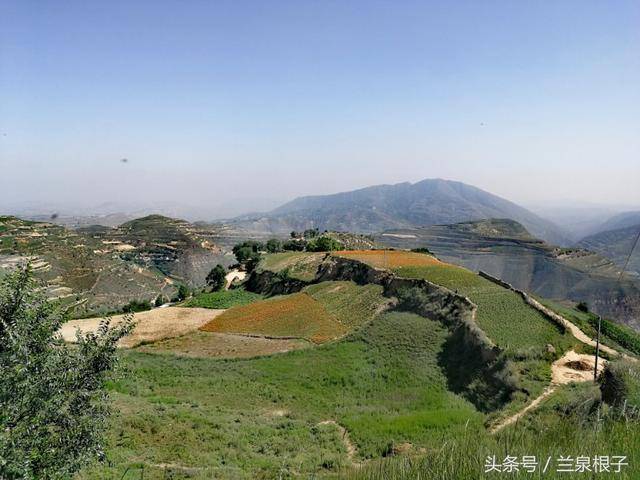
(223, 299)
(222, 345)
(290, 316)
(350, 304)
(319, 313)
(502, 314)
(300, 265)
(389, 258)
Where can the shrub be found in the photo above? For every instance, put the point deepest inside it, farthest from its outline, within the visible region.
(295, 245)
(137, 306)
(274, 245)
(620, 383)
(53, 400)
(422, 250)
(583, 307)
(216, 279)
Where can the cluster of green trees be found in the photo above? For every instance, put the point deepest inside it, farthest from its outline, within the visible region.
(248, 253)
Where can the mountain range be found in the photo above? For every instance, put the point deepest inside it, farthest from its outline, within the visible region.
(403, 205)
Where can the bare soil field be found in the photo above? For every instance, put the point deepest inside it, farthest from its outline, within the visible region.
(151, 326)
(222, 345)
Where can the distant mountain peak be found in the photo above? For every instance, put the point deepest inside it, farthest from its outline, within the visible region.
(401, 205)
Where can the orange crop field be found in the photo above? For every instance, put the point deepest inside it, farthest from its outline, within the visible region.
(390, 258)
(296, 315)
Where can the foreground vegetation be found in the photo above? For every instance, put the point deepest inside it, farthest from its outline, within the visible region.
(260, 418)
(222, 299)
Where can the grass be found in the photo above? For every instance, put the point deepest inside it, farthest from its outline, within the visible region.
(300, 265)
(619, 337)
(258, 418)
(222, 299)
(548, 433)
(350, 304)
(519, 330)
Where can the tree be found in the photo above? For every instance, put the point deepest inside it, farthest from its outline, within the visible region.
(247, 250)
(248, 253)
(274, 245)
(160, 300)
(216, 279)
(323, 244)
(311, 233)
(294, 245)
(181, 294)
(53, 400)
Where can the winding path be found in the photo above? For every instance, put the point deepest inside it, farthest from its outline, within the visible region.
(564, 370)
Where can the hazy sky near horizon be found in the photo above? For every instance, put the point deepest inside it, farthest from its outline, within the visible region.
(214, 101)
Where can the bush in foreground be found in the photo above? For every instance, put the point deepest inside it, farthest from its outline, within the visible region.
(53, 402)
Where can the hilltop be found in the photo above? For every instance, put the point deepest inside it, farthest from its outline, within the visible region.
(505, 249)
(99, 269)
(178, 249)
(80, 270)
(403, 205)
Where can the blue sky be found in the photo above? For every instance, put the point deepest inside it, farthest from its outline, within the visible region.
(215, 101)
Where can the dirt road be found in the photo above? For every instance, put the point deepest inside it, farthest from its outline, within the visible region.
(572, 367)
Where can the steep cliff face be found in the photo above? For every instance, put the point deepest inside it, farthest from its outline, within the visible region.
(474, 365)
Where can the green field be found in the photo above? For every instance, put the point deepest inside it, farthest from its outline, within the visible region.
(258, 418)
(300, 265)
(519, 330)
(222, 299)
(350, 304)
(502, 314)
(567, 424)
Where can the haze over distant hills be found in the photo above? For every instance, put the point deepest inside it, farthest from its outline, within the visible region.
(403, 205)
(616, 244)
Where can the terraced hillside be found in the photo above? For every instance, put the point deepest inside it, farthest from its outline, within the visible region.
(616, 245)
(369, 388)
(176, 248)
(504, 249)
(99, 269)
(79, 270)
(285, 414)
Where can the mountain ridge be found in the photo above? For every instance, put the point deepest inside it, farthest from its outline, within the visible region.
(402, 205)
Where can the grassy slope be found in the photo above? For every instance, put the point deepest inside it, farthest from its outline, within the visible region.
(562, 425)
(257, 418)
(222, 299)
(521, 331)
(300, 265)
(615, 335)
